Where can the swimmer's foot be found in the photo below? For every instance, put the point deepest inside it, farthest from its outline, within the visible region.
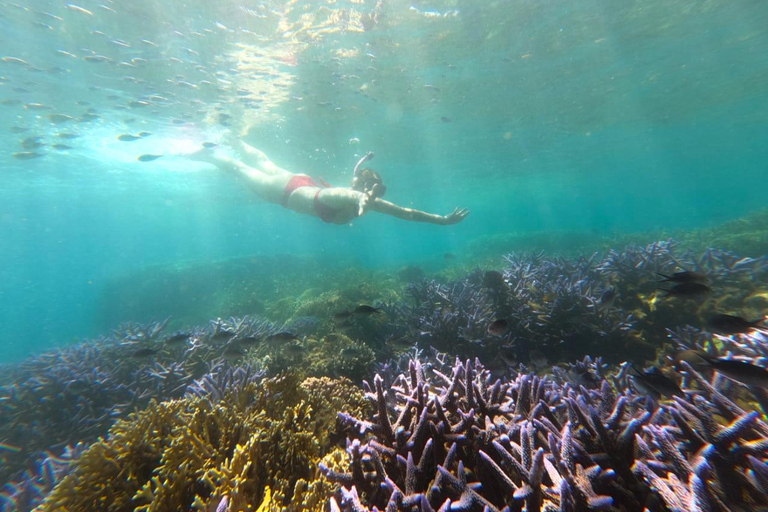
(206, 153)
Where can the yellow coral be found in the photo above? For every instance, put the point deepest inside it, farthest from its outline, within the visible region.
(260, 454)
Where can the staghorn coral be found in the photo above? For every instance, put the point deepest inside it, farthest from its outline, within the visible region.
(467, 442)
(74, 394)
(567, 308)
(214, 448)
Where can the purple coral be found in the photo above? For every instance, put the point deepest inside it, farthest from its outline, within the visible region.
(466, 441)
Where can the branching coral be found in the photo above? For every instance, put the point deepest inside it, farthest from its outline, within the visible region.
(467, 442)
(568, 308)
(205, 450)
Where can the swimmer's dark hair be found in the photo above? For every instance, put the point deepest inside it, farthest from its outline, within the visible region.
(366, 179)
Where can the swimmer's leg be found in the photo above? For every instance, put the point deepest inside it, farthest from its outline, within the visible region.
(258, 159)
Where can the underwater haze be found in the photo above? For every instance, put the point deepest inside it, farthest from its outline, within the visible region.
(537, 116)
(328, 255)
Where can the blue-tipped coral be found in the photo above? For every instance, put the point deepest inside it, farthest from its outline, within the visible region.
(464, 441)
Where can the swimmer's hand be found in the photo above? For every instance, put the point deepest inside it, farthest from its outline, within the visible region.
(456, 216)
(367, 198)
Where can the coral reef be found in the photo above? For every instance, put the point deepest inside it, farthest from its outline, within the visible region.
(35, 483)
(240, 413)
(463, 441)
(218, 445)
(568, 308)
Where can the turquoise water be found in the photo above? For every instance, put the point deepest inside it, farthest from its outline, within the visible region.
(593, 117)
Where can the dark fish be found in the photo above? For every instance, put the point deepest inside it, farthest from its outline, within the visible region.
(688, 290)
(222, 335)
(26, 155)
(537, 358)
(695, 358)
(209, 145)
(729, 324)
(653, 382)
(341, 316)
(449, 256)
(17, 129)
(494, 279)
(61, 147)
(177, 337)
(127, 137)
(233, 350)
(32, 143)
(60, 118)
(498, 327)
(68, 136)
(144, 352)
(740, 371)
(365, 310)
(445, 119)
(249, 340)
(144, 134)
(148, 158)
(282, 336)
(684, 277)
(345, 326)
(294, 349)
(607, 298)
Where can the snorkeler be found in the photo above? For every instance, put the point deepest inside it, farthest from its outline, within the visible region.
(302, 194)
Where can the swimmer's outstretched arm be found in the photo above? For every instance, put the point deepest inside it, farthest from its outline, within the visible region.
(385, 207)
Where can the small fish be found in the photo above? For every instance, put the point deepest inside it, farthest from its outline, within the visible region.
(96, 58)
(689, 289)
(498, 327)
(15, 60)
(148, 158)
(37, 106)
(449, 256)
(61, 147)
(177, 337)
(127, 137)
(607, 298)
(684, 277)
(232, 350)
(729, 324)
(365, 310)
(209, 145)
(68, 135)
(537, 358)
(144, 134)
(341, 316)
(445, 119)
(222, 335)
(294, 349)
(282, 336)
(740, 371)
(60, 118)
(144, 352)
(32, 143)
(249, 340)
(494, 279)
(26, 155)
(18, 129)
(654, 383)
(79, 9)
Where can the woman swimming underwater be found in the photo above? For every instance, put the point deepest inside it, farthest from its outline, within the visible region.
(302, 194)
